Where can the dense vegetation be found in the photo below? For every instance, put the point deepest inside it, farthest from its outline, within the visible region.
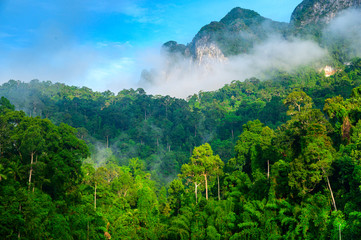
(161, 130)
(282, 161)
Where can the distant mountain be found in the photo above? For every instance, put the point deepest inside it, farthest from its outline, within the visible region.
(236, 33)
(319, 12)
(241, 29)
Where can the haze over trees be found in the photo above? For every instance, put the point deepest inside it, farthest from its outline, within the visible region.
(255, 159)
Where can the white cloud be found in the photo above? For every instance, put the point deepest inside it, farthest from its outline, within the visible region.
(185, 78)
(98, 66)
(346, 27)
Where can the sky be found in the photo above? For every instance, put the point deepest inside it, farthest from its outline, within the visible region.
(104, 44)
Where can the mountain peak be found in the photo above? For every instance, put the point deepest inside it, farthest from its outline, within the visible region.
(239, 13)
(235, 33)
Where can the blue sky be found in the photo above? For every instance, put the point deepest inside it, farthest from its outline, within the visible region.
(104, 44)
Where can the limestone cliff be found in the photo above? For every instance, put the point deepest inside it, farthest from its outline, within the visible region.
(313, 12)
(236, 33)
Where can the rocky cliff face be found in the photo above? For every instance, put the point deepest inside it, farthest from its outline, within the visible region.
(236, 33)
(207, 52)
(311, 12)
(241, 29)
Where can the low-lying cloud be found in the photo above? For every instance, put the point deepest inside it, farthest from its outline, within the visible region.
(346, 29)
(182, 77)
(55, 54)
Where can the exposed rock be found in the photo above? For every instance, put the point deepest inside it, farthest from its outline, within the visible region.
(236, 33)
(329, 71)
(206, 52)
(312, 12)
(241, 29)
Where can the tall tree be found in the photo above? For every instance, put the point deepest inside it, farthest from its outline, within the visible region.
(254, 148)
(313, 153)
(203, 163)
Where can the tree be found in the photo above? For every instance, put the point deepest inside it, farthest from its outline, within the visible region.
(254, 148)
(203, 163)
(312, 150)
(175, 192)
(193, 174)
(5, 104)
(217, 169)
(297, 101)
(2, 173)
(29, 141)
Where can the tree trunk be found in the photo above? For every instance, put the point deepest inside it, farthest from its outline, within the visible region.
(206, 181)
(87, 232)
(267, 169)
(36, 161)
(19, 235)
(195, 191)
(31, 168)
(95, 197)
(331, 192)
(219, 190)
(333, 199)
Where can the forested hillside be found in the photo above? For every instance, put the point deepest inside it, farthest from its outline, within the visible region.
(290, 171)
(161, 130)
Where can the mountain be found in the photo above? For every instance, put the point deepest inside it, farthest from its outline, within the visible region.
(236, 33)
(241, 29)
(319, 12)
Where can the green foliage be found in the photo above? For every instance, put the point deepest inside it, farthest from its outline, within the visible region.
(41, 165)
(254, 148)
(284, 177)
(5, 104)
(163, 129)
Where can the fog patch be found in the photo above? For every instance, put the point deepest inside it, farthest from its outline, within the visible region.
(345, 30)
(181, 76)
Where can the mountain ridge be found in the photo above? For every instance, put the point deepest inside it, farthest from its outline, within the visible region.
(235, 33)
(240, 29)
(319, 11)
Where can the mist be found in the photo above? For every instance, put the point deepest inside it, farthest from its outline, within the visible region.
(181, 77)
(345, 29)
(54, 50)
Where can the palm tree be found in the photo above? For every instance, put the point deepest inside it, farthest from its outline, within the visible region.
(2, 172)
